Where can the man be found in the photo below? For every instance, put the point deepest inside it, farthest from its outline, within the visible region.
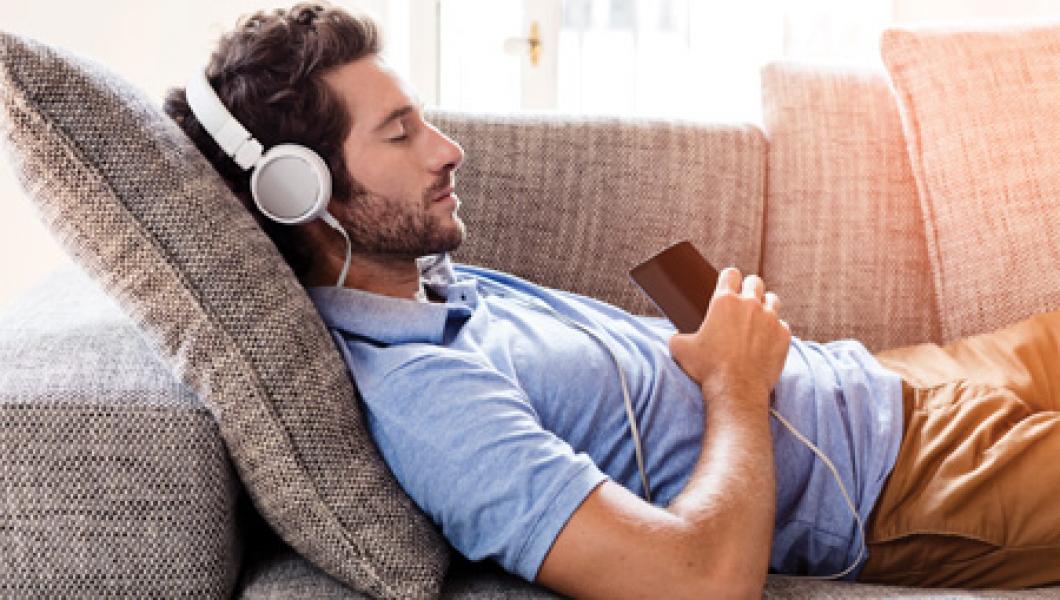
(506, 425)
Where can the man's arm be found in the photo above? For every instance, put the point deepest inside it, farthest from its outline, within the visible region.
(713, 540)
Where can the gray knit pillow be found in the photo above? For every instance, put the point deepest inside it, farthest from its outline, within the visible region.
(132, 200)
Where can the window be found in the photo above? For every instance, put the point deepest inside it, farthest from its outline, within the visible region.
(669, 58)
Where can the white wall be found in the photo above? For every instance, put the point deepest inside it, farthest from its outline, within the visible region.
(974, 10)
(155, 45)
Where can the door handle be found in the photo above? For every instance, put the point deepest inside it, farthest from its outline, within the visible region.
(532, 43)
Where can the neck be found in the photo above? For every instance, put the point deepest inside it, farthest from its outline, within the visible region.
(379, 274)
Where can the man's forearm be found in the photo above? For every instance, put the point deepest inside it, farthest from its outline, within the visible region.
(730, 499)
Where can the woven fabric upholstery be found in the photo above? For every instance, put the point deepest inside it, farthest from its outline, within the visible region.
(795, 588)
(844, 244)
(574, 203)
(283, 575)
(115, 480)
(277, 573)
(977, 109)
(132, 200)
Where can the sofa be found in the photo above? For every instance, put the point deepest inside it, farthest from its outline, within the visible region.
(119, 482)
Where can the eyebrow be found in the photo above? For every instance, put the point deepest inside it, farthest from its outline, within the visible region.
(397, 113)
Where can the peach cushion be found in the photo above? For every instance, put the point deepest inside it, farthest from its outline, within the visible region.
(980, 114)
(843, 240)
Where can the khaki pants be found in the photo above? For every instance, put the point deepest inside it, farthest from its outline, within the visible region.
(974, 497)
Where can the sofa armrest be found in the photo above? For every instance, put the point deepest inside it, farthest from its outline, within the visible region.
(115, 478)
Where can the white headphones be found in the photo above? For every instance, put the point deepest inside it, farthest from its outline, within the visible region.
(290, 184)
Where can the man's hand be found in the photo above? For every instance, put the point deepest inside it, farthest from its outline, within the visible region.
(742, 343)
(713, 539)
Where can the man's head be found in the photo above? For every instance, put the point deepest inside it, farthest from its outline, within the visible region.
(403, 165)
(312, 75)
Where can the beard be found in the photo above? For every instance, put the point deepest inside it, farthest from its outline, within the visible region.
(401, 229)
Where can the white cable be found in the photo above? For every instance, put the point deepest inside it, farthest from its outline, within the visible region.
(629, 405)
(640, 455)
(842, 488)
(630, 416)
(330, 220)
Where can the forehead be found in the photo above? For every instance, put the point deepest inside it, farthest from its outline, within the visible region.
(370, 89)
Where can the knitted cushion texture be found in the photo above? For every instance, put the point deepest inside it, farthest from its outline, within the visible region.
(115, 480)
(574, 202)
(132, 201)
(977, 110)
(844, 242)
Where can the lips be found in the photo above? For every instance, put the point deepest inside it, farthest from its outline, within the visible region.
(442, 195)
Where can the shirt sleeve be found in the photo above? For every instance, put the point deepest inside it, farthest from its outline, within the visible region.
(467, 446)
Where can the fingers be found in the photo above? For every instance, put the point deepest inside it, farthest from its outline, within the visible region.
(753, 287)
(772, 302)
(728, 281)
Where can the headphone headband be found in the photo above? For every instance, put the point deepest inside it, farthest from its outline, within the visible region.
(229, 133)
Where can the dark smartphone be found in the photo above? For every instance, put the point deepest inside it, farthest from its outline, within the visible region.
(680, 282)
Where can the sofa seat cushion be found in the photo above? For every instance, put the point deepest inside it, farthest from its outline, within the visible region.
(116, 481)
(284, 574)
(275, 571)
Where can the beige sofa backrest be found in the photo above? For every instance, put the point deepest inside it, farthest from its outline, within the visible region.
(574, 203)
(826, 211)
(843, 242)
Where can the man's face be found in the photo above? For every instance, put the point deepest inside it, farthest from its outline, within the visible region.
(401, 164)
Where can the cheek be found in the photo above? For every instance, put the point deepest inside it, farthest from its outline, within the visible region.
(386, 176)
(371, 174)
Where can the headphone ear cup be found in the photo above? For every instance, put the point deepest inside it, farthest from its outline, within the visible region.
(291, 184)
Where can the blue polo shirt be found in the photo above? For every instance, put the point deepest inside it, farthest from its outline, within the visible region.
(498, 419)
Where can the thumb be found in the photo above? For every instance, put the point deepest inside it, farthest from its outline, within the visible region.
(678, 342)
(680, 351)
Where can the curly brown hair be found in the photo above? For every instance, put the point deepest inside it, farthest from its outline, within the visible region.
(269, 72)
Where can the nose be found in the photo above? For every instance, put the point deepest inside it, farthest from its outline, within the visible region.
(446, 155)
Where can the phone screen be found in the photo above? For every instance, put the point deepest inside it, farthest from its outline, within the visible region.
(680, 282)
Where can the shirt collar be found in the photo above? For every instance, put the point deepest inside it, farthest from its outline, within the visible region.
(436, 269)
(392, 320)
